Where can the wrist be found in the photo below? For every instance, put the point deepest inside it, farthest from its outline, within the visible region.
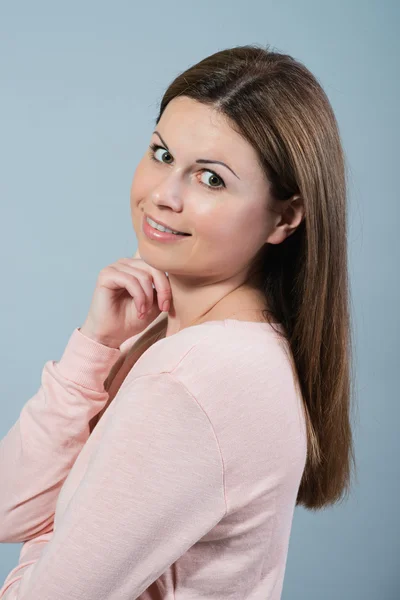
(104, 340)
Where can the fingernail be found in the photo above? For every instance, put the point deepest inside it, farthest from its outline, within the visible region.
(165, 306)
(143, 308)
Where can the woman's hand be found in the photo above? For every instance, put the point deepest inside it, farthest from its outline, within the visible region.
(122, 290)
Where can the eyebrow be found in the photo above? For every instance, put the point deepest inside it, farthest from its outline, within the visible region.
(201, 160)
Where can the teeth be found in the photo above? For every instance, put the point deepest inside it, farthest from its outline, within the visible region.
(160, 227)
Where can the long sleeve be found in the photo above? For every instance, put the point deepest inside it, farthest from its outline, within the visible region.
(153, 487)
(29, 555)
(39, 450)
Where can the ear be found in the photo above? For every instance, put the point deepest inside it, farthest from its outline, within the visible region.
(290, 215)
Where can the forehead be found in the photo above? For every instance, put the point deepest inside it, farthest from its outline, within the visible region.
(191, 116)
(190, 126)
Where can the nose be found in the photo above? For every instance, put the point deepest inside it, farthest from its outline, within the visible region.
(169, 191)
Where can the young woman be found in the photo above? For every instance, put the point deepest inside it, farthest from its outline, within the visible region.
(164, 454)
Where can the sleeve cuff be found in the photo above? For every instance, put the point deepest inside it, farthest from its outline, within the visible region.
(87, 362)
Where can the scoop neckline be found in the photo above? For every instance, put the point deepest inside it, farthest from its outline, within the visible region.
(234, 321)
(240, 321)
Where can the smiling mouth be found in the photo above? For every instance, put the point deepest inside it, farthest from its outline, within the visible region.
(158, 227)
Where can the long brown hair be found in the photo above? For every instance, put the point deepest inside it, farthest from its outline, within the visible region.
(278, 106)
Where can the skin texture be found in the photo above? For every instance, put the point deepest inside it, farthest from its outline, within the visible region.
(228, 226)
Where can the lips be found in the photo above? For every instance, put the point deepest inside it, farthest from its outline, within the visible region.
(165, 225)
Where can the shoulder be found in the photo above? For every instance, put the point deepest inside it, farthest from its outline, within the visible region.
(220, 354)
(234, 376)
(230, 345)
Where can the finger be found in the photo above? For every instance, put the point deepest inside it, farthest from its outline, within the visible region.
(163, 289)
(160, 280)
(114, 278)
(145, 278)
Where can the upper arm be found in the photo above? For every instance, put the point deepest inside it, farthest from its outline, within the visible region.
(153, 488)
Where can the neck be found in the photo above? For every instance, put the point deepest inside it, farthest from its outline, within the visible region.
(212, 302)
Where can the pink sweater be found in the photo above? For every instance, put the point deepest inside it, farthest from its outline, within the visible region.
(186, 487)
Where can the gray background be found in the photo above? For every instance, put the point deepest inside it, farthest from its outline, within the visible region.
(79, 87)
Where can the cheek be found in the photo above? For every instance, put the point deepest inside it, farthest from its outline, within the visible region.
(218, 242)
(221, 225)
(235, 237)
(212, 224)
(141, 183)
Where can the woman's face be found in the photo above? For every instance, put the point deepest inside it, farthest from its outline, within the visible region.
(226, 209)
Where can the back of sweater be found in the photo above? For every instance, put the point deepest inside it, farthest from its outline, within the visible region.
(187, 486)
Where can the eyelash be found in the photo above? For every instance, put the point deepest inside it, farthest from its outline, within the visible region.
(155, 147)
